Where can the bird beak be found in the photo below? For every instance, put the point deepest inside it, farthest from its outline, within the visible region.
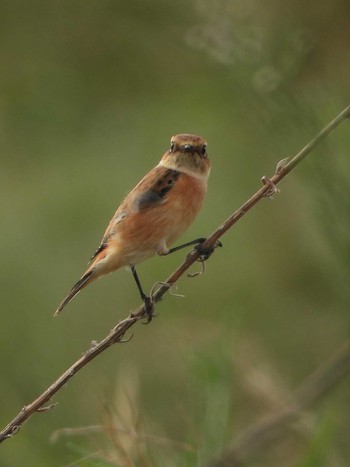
(187, 147)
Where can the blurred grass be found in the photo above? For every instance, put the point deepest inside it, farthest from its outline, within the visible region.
(90, 93)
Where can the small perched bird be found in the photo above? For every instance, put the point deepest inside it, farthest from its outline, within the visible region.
(153, 215)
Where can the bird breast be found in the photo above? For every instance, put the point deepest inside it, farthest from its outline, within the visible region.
(153, 228)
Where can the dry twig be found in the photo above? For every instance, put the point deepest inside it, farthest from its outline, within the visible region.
(117, 333)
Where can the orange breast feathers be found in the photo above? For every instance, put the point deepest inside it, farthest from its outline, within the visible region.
(165, 221)
(155, 214)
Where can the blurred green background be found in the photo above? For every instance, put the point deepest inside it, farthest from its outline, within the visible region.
(90, 93)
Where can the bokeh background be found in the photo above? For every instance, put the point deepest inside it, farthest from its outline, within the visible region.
(90, 93)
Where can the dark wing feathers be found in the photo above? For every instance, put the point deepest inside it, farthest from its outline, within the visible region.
(145, 199)
(157, 190)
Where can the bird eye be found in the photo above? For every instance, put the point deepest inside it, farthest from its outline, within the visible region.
(172, 146)
(204, 150)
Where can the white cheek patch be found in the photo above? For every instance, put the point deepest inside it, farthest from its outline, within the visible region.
(185, 170)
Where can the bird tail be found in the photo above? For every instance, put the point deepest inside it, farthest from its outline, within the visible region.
(85, 280)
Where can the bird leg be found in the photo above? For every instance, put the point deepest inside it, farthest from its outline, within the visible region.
(149, 303)
(197, 242)
(204, 252)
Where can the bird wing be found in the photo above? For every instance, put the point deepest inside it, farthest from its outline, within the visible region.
(149, 192)
(116, 219)
(153, 188)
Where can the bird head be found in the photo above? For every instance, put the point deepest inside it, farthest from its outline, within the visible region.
(188, 153)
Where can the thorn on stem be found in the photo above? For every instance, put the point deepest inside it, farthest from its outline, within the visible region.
(173, 291)
(47, 408)
(162, 284)
(198, 273)
(124, 341)
(172, 287)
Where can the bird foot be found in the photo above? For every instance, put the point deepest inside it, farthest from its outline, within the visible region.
(205, 253)
(149, 309)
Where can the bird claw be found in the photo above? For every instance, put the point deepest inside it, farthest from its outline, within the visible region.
(149, 309)
(272, 188)
(205, 253)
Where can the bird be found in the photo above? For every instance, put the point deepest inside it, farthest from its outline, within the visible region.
(153, 215)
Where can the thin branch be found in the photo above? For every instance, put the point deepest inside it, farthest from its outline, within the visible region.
(117, 333)
(270, 428)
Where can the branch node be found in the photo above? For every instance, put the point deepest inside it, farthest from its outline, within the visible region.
(272, 188)
(14, 430)
(281, 165)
